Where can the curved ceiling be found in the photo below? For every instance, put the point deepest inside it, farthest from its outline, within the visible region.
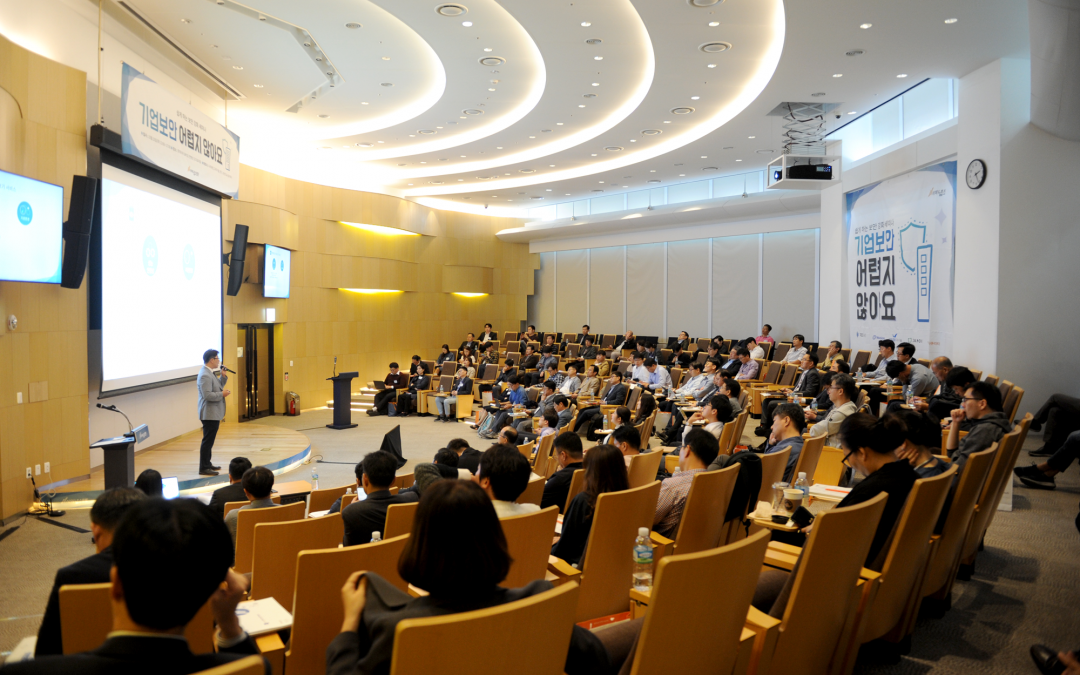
(509, 103)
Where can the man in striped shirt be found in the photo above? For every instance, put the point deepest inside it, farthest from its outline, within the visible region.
(699, 450)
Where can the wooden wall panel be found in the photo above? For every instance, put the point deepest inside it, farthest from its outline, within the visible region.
(43, 136)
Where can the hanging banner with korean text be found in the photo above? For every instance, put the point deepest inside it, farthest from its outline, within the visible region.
(161, 129)
(900, 261)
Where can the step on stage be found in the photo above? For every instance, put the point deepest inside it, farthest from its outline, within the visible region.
(277, 449)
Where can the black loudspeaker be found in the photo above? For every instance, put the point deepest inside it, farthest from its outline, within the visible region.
(236, 260)
(77, 230)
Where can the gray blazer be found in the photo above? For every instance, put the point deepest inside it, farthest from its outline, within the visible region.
(211, 399)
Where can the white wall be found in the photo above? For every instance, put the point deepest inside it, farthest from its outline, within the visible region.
(717, 285)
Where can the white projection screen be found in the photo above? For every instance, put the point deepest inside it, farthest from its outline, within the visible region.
(161, 276)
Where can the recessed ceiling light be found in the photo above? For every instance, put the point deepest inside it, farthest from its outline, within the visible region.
(598, 58)
(667, 121)
(851, 112)
(365, 145)
(532, 136)
(902, 75)
(614, 148)
(363, 103)
(492, 61)
(462, 155)
(715, 47)
(581, 105)
(751, 136)
(382, 141)
(491, 89)
(586, 24)
(950, 21)
(681, 175)
(185, 20)
(472, 111)
(558, 124)
(451, 9)
(323, 116)
(594, 154)
(838, 74)
(633, 140)
(712, 65)
(596, 84)
(427, 132)
(551, 166)
(353, 25)
(738, 160)
(682, 110)
(499, 147)
(462, 117)
(257, 86)
(386, 58)
(487, 49)
(467, 24)
(547, 190)
(387, 84)
(710, 168)
(714, 23)
(412, 135)
(864, 26)
(651, 132)
(594, 41)
(527, 170)
(238, 67)
(423, 162)
(652, 170)
(654, 181)
(694, 98)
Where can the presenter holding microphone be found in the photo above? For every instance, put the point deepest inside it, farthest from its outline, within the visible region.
(212, 394)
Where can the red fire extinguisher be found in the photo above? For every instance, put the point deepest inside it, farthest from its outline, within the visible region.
(292, 407)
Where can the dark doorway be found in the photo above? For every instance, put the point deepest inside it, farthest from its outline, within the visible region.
(255, 370)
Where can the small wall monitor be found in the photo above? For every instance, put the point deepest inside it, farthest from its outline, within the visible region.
(277, 263)
(31, 229)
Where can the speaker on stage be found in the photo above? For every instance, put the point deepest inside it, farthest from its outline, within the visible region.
(236, 260)
(77, 230)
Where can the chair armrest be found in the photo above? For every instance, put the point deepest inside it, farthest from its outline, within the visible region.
(417, 592)
(781, 547)
(766, 632)
(869, 575)
(562, 570)
(780, 560)
(662, 546)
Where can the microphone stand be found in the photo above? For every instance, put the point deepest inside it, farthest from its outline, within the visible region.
(131, 431)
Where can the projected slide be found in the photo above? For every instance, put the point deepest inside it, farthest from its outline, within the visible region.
(160, 281)
(31, 229)
(277, 264)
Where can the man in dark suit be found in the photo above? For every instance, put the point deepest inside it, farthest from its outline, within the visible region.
(170, 557)
(616, 395)
(443, 403)
(808, 385)
(488, 335)
(468, 458)
(569, 455)
(105, 515)
(234, 491)
(470, 342)
(375, 474)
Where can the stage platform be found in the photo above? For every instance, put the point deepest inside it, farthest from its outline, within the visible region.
(276, 448)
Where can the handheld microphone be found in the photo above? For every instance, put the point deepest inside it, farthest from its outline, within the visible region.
(227, 370)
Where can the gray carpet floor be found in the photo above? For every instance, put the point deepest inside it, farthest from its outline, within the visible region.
(1026, 586)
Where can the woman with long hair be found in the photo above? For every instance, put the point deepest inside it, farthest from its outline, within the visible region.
(645, 407)
(605, 471)
(445, 355)
(458, 554)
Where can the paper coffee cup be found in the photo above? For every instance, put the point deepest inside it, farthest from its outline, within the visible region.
(793, 499)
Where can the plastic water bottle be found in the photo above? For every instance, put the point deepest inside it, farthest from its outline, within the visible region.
(315, 478)
(802, 484)
(376, 536)
(642, 561)
(813, 404)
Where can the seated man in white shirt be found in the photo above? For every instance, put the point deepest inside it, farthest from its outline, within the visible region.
(697, 381)
(756, 352)
(570, 385)
(638, 373)
(504, 474)
(797, 351)
(887, 349)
